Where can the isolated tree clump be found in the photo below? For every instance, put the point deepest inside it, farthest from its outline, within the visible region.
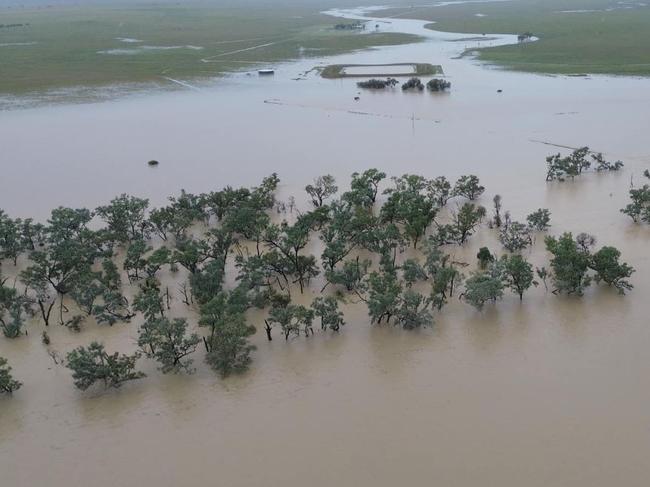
(8, 384)
(323, 188)
(93, 364)
(639, 207)
(539, 220)
(468, 187)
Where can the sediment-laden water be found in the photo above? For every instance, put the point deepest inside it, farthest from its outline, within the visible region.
(553, 391)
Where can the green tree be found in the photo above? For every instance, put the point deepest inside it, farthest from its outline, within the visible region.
(639, 208)
(93, 364)
(364, 188)
(149, 301)
(323, 188)
(293, 319)
(126, 218)
(327, 309)
(539, 220)
(484, 257)
(570, 264)
(13, 308)
(515, 236)
(413, 272)
(609, 270)
(169, 342)
(468, 187)
(439, 191)
(413, 310)
(11, 242)
(350, 274)
(7, 383)
(384, 290)
(482, 287)
(517, 274)
(409, 206)
(230, 351)
(465, 221)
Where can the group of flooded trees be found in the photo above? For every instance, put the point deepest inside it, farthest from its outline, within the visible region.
(434, 84)
(74, 273)
(560, 168)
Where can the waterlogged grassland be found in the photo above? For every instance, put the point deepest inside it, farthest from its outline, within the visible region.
(576, 36)
(93, 46)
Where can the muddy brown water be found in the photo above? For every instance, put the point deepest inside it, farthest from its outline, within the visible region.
(553, 391)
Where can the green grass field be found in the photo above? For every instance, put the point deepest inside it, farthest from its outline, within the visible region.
(61, 46)
(599, 41)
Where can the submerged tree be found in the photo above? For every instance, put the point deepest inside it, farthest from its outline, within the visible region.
(292, 318)
(169, 342)
(13, 308)
(126, 218)
(559, 168)
(485, 257)
(413, 311)
(515, 236)
(327, 309)
(464, 222)
(384, 290)
(609, 270)
(93, 364)
(482, 287)
(468, 187)
(539, 220)
(639, 208)
(7, 383)
(229, 350)
(517, 274)
(323, 188)
(364, 188)
(570, 264)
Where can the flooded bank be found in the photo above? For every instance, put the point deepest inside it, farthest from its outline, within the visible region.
(552, 391)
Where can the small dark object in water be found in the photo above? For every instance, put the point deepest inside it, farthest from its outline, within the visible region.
(153, 163)
(356, 98)
(499, 91)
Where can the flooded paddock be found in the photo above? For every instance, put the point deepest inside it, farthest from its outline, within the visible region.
(385, 69)
(553, 391)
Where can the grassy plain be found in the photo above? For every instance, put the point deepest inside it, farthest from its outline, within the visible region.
(79, 46)
(576, 36)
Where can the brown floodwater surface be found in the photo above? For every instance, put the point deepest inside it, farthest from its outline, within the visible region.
(553, 391)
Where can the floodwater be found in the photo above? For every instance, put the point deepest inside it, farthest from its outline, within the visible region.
(553, 391)
(361, 70)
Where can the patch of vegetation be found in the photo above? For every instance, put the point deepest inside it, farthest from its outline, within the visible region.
(62, 47)
(560, 168)
(575, 36)
(413, 84)
(378, 84)
(437, 84)
(77, 275)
